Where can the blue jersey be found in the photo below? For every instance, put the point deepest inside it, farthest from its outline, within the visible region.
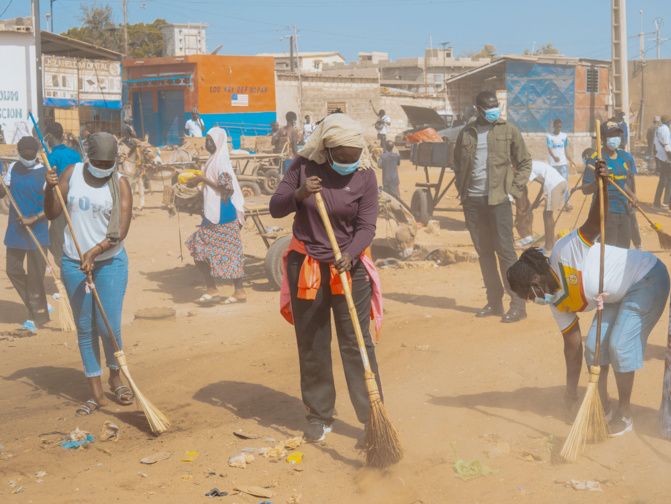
(27, 188)
(61, 157)
(619, 170)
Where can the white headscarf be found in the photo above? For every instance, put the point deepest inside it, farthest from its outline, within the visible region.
(218, 163)
(336, 130)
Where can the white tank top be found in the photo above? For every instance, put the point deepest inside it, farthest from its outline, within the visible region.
(90, 210)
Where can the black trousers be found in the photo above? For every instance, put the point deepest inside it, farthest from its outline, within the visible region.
(56, 238)
(383, 140)
(491, 229)
(30, 286)
(618, 230)
(635, 231)
(312, 322)
(664, 184)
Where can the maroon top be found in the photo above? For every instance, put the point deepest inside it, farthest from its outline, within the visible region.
(351, 201)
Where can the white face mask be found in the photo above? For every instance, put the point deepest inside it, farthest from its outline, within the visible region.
(100, 172)
(28, 163)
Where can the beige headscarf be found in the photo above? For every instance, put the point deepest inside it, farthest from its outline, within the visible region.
(336, 130)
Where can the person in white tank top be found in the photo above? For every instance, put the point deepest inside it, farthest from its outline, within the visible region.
(99, 202)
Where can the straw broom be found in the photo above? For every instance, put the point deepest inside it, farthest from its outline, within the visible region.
(158, 422)
(65, 317)
(382, 443)
(590, 423)
(664, 239)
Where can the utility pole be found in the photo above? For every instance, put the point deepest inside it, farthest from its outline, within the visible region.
(298, 72)
(38, 61)
(51, 14)
(291, 53)
(659, 22)
(619, 70)
(641, 112)
(125, 29)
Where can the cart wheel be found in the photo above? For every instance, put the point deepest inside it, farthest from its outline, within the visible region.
(273, 261)
(271, 179)
(421, 206)
(249, 189)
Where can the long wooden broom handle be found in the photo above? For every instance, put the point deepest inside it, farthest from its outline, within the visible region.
(27, 228)
(602, 239)
(345, 284)
(81, 258)
(612, 183)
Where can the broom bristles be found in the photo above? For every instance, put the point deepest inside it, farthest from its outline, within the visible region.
(158, 422)
(65, 316)
(664, 239)
(382, 443)
(590, 424)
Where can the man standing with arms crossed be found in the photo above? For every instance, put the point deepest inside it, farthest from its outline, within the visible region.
(492, 164)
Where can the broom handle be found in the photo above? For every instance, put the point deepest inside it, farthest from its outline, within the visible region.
(602, 239)
(632, 202)
(81, 258)
(345, 283)
(27, 228)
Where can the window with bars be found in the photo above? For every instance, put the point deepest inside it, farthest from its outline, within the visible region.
(333, 106)
(592, 80)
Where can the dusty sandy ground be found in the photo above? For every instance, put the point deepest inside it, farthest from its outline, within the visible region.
(495, 390)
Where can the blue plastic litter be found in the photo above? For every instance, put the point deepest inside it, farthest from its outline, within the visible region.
(76, 444)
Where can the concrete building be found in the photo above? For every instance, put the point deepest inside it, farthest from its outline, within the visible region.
(309, 62)
(535, 90)
(423, 74)
(234, 92)
(656, 95)
(184, 39)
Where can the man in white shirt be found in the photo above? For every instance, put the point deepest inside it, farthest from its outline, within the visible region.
(195, 127)
(308, 128)
(558, 155)
(381, 124)
(663, 158)
(554, 187)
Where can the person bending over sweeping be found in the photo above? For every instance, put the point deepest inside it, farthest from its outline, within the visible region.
(636, 287)
(25, 181)
(217, 246)
(335, 163)
(100, 203)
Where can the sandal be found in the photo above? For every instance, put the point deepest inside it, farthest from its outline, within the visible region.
(85, 409)
(122, 391)
(206, 300)
(232, 300)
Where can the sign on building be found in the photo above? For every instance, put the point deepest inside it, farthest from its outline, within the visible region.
(72, 81)
(18, 94)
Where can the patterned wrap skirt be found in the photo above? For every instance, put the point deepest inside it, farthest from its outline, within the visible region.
(220, 245)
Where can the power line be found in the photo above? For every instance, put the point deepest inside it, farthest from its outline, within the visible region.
(3, 12)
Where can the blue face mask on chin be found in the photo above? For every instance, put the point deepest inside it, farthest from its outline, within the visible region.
(545, 300)
(613, 143)
(343, 169)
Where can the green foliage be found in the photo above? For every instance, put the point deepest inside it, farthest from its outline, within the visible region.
(545, 49)
(98, 28)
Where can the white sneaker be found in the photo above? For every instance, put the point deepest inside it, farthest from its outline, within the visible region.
(619, 426)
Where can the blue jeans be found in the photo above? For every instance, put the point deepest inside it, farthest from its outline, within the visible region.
(563, 171)
(625, 326)
(110, 278)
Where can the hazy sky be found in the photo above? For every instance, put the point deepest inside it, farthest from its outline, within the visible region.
(403, 28)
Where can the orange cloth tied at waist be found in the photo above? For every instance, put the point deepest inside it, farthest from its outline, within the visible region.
(310, 277)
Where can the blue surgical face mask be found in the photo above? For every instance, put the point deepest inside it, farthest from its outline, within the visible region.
(492, 114)
(613, 143)
(27, 163)
(343, 169)
(545, 300)
(100, 172)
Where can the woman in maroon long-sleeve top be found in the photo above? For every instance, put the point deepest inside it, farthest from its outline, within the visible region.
(335, 163)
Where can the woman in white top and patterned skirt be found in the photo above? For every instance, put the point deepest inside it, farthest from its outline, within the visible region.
(100, 205)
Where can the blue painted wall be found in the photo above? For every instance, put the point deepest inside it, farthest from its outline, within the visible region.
(538, 94)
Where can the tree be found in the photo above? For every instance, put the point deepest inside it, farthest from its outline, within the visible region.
(488, 51)
(545, 49)
(98, 28)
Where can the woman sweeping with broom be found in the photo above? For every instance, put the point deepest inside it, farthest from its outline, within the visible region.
(636, 288)
(334, 164)
(100, 203)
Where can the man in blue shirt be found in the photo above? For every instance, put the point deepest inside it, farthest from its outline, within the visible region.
(389, 162)
(60, 158)
(25, 181)
(620, 168)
